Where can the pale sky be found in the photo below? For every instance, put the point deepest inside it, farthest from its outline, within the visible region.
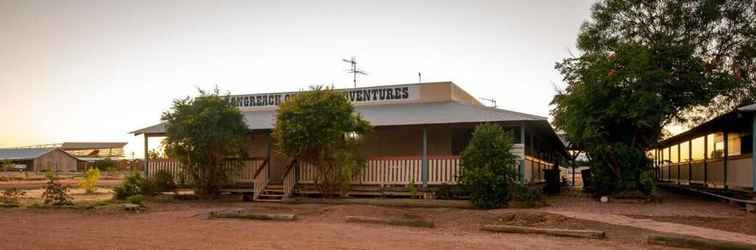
(95, 70)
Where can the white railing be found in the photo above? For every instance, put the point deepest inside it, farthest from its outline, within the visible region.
(261, 179)
(289, 181)
(244, 175)
(396, 171)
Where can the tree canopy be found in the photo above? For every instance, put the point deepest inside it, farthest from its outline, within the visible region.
(320, 127)
(644, 65)
(202, 132)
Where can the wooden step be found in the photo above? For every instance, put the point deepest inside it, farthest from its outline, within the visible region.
(277, 196)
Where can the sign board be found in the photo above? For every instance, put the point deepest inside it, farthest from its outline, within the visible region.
(389, 94)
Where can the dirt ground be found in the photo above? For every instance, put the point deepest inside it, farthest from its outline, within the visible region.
(185, 225)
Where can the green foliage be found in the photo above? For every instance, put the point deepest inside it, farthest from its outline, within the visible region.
(89, 183)
(134, 184)
(7, 165)
(320, 127)
(529, 197)
(11, 196)
(137, 199)
(638, 74)
(680, 37)
(488, 167)
(412, 188)
(55, 194)
(202, 132)
(164, 181)
(104, 165)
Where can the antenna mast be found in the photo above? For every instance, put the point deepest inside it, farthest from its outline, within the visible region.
(353, 69)
(492, 100)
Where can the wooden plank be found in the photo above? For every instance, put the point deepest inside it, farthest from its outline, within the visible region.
(592, 234)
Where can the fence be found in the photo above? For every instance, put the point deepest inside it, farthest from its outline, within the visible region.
(244, 174)
(397, 171)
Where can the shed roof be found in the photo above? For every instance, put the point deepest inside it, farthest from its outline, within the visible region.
(91, 145)
(23, 153)
(396, 115)
(736, 119)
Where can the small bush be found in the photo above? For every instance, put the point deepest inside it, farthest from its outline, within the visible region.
(133, 185)
(136, 199)
(104, 165)
(488, 167)
(11, 196)
(56, 194)
(412, 188)
(164, 181)
(530, 197)
(89, 183)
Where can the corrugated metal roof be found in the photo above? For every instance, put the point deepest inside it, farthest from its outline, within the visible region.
(397, 114)
(748, 108)
(23, 153)
(91, 145)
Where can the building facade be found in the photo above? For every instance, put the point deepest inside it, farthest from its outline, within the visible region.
(419, 132)
(717, 154)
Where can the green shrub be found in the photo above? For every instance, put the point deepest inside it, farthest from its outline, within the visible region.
(56, 194)
(164, 181)
(134, 184)
(412, 188)
(136, 199)
(530, 197)
(488, 167)
(89, 183)
(104, 165)
(11, 196)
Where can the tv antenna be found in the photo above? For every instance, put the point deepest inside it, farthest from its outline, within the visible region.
(491, 100)
(353, 69)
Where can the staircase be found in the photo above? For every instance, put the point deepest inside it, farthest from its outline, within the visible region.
(273, 192)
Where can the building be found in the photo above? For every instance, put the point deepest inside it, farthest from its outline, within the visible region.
(89, 151)
(717, 154)
(40, 159)
(419, 132)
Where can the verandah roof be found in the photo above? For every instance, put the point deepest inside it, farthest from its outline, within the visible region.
(396, 115)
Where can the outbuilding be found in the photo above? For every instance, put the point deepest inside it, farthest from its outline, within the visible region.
(39, 159)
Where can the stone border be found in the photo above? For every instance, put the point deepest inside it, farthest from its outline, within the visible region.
(398, 222)
(252, 215)
(692, 242)
(591, 234)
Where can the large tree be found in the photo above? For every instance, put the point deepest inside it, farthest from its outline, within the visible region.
(644, 65)
(320, 127)
(202, 132)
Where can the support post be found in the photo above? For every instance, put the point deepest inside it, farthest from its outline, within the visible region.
(753, 153)
(521, 168)
(269, 154)
(725, 155)
(146, 154)
(669, 167)
(706, 159)
(424, 169)
(678, 163)
(690, 161)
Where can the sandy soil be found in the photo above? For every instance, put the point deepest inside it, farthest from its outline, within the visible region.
(184, 225)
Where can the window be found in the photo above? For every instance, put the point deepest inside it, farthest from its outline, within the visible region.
(675, 156)
(711, 146)
(684, 152)
(698, 148)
